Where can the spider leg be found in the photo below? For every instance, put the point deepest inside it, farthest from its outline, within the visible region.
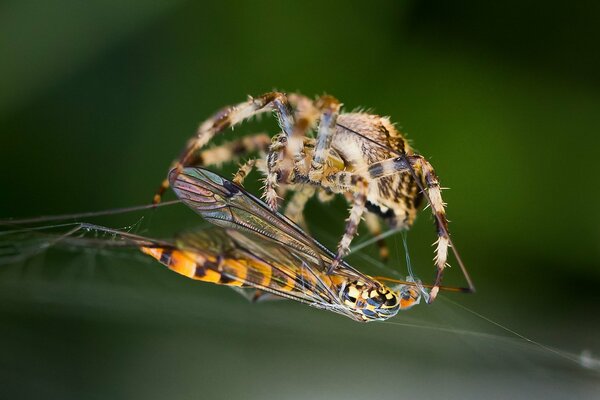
(275, 170)
(373, 224)
(305, 119)
(357, 184)
(231, 151)
(229, 117)
(294, 209)
(243, 172)
(325, 196)
(294, 148)
(330, 108)
(437, 208)
(302, 149)
(425, 171)
(286, 158)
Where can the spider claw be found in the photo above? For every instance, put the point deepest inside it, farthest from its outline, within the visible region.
(334, 265)
(433, 293)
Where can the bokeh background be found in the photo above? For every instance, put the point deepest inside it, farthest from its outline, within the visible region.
(502, 97)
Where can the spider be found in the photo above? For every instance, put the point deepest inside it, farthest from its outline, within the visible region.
(360, 155)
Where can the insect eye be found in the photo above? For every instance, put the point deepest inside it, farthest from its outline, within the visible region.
(409, 297)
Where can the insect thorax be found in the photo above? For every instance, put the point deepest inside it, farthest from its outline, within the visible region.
(372, 302)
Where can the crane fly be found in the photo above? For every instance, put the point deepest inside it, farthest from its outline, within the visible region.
(253, 248)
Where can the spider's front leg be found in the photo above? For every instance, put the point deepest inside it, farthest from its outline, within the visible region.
(244, 169)
(330, 108)
(277, 170)
(231, 151)
(294, 209)
(339, 182)
(287, 156)
(227, 118)
(353, 183)
(441, 222)
(423, 172)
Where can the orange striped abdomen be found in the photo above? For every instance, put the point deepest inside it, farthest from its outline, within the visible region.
(201, 266)
(223, 270)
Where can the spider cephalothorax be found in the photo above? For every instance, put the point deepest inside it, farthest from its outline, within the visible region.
(321, 150)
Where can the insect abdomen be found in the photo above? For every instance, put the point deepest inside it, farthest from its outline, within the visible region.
(202, 267)
(223, 270)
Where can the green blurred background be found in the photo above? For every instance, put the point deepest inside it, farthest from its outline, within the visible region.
(503, 98)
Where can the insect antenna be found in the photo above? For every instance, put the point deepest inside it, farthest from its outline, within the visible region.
(403, 282)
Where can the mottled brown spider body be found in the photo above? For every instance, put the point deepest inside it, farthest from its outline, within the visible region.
(395, 197)
(320, 150)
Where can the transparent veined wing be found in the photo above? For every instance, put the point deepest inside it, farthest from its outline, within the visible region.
(267, 232)
(225, 204)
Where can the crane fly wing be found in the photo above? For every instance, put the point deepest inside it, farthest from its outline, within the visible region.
(223, 203)
(260, 264)
(265, 234)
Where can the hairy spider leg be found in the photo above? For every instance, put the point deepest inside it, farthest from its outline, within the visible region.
(287, 156)
(243, 172)
(231, 151)
(325, 109)
(227, 118)
(330, 108)
(294, 209)
(431, 182)
(357, 184)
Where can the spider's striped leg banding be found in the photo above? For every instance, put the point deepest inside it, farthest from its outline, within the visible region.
(243, 172)
(330, 108)
(286, 156)
(294, 209)
(359, 186)
(305, 118)
(231, 151)
(275, 169)
(388, 167)
(229, 117)
(286, 153)
(437, 208)
(425, 171)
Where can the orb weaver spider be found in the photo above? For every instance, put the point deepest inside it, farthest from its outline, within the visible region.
(360, 155)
